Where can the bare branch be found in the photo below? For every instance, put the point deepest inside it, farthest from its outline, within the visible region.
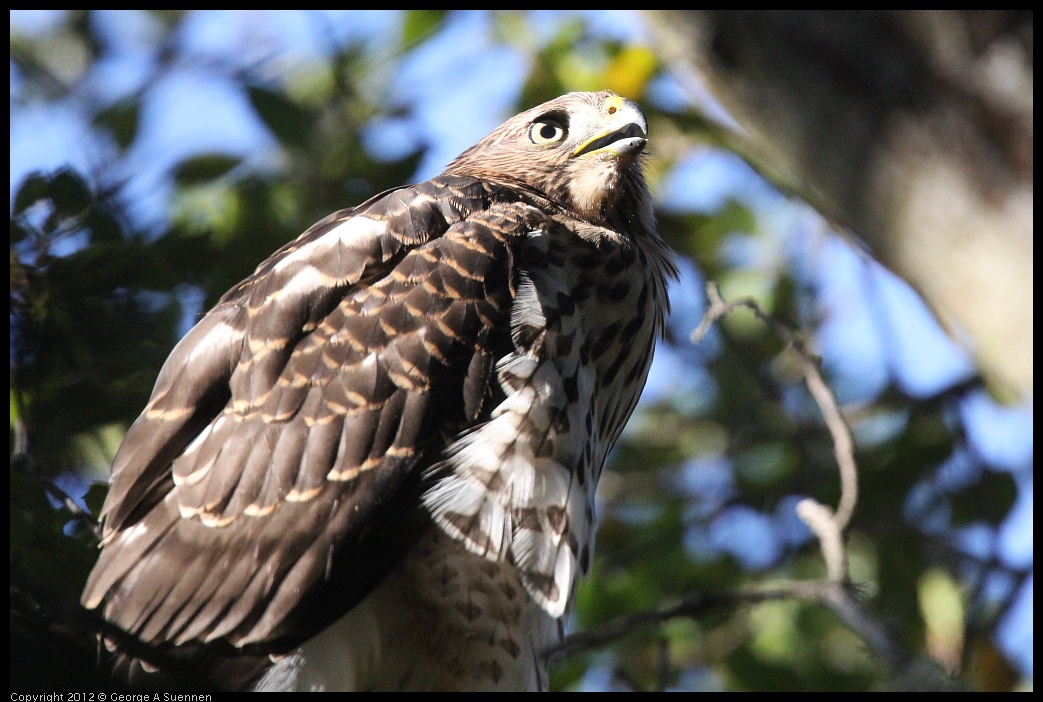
(843, 443)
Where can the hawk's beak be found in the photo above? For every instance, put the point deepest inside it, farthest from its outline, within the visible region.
(625, 135)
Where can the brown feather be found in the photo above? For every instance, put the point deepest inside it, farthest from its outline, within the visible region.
(456, 356)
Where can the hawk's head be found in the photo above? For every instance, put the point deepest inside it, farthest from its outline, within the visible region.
(579, 150)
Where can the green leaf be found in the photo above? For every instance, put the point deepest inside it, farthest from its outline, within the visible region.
(18, 232)
(95, 497)
(419, 25)
(289, 122)
(201, 169)
(990, 499)
(764, 463)
(69, 192)
(733, 216)
(121, 120)
(103, 226)
(32, 190)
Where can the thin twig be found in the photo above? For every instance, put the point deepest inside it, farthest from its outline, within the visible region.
(22, 460)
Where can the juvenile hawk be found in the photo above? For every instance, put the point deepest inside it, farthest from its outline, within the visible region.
(374, 461)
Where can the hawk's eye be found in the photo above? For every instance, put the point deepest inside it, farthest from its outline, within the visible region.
(547, 131)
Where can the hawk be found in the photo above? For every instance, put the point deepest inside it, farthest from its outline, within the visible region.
(372, 464)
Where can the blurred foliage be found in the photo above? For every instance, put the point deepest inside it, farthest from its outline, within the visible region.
(97, 302)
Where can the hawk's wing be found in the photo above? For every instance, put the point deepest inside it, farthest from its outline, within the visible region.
(273, 477)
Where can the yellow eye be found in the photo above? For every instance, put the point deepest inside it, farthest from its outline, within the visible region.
(546, 132)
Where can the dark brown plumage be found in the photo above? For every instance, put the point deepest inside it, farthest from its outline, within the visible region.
(398, 415)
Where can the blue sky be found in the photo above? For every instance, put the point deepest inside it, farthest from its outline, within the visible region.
(875, 327)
